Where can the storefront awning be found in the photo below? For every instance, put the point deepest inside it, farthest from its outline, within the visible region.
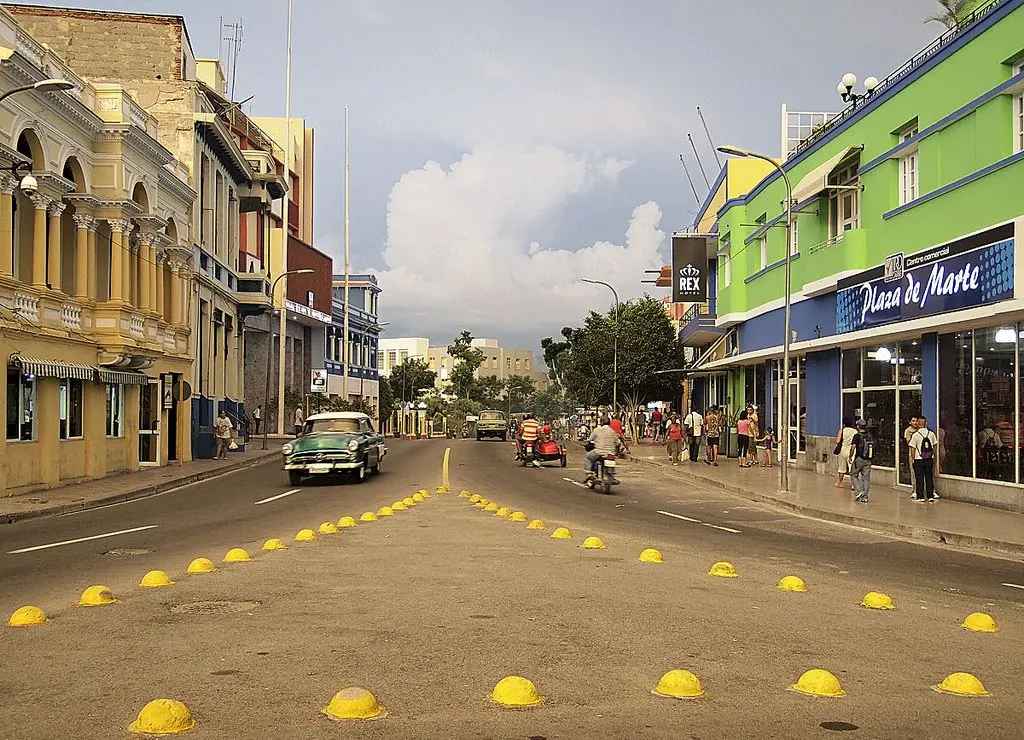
(816, 180)
(52, 368)
(122, 377)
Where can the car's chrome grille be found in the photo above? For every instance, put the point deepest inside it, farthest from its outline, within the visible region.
(319, 456)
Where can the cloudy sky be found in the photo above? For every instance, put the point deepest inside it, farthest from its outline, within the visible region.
(503, 149)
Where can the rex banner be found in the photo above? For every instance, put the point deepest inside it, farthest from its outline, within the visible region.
(974, 271)
(689, 269)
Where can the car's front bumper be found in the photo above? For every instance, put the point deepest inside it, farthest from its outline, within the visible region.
(324, 467)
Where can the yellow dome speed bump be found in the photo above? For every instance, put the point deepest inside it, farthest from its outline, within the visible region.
(723, 569)
(474, 498)
(368, 516)
(274, 544)
(156, 579)
(327, 528)
(593, 543)
(491, 507)
(385, 511)
(305, 535)
(517, 516)
(163, 717)
(651, 555)
(484, 501)
(408, 502)
(346, 522)
(792, 583)
(464, 493)
(354, 703)
(418, 498)
(562, 533)
(236, 555)
(202, 565)
(442, 489)
(679, 685)
(399, 506)
(980, 622)
(961, 684)
(817, 682)
(503, 512)
(425, 493)
(27, 616)
(537, 524)
(516, 692)
(479, 505)
(96, 596)
(876, 600)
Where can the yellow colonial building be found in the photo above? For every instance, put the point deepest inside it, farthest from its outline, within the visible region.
(95, 263)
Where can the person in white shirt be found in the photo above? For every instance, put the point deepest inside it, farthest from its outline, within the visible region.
(257, 417)
(923, 444)
(299, 420)
(694, 424)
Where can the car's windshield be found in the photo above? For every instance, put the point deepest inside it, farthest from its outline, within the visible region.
(332, 425)
(492, 416)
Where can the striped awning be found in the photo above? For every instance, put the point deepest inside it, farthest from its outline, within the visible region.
(52, 368)
(122, 377)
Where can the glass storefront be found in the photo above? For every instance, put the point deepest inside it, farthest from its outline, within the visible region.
(980, 392)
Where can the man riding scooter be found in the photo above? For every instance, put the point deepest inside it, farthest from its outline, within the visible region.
(529, 431)
(605, 441)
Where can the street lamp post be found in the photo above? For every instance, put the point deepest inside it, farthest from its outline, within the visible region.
(784, 416)
(615, 345)
(49, 85)
(270, 346)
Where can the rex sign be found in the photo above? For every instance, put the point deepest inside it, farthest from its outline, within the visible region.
(973, 271)
(689, 269)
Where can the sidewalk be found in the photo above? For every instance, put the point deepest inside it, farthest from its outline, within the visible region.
(890, 510)
(126, 486)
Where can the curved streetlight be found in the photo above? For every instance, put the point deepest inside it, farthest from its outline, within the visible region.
(270, 340)
(48, 85)
(615, 345)
(784, 416)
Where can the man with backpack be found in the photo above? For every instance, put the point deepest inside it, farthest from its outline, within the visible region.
(922, 451)
(862, 454)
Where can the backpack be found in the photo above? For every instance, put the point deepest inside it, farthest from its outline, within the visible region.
(866, 448)
(926, 451)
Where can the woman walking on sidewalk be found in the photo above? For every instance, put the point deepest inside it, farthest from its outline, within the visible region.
(743, 438)
(754, 432)
(843, 441)
(674, 439)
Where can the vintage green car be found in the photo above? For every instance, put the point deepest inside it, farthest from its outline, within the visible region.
(332, 443)
(492, 424)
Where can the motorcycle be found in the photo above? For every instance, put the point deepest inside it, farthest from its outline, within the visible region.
(583, 433)
(535, 453)
(604, 477)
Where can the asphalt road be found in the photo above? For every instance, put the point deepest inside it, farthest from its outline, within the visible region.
(430, 608)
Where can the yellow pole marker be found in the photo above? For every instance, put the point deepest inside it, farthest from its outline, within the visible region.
(27, 616)
(876, 600)
(96, 596)
(679, 685)
(237, 555)
(562, 533)
(346, 522)
(651, 555)
(201, 565)
(593, 543)
(385, 511)
(961, 684)
(537, 524)
(445, 482)
(156, 579)
(305, 535)
(274, 544)
(517, 516)
(980, 622)
(516, 692)
(399, 506)
(793, 583)
(354, 703)
(503, 512)
(817, 682)
(368, 516)
(408, 501)
(723, 570)
(327, 528)
(163, 717)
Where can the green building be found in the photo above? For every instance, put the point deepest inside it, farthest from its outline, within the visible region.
(907, 271)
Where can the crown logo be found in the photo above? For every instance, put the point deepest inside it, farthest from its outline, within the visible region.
(690, 271)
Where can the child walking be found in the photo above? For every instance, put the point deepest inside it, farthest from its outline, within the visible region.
(766, 443)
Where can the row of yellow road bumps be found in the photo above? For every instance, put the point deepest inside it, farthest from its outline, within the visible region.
(170, 716)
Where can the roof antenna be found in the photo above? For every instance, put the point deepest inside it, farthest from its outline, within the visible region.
(705, 174)
(708, 132)
(690, 179)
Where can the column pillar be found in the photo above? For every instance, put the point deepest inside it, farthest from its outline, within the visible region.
(175, 266)
(153, 272)
(40, 202)
(118, 250)
(53, 270)
(7, 186)
(159, 268)
(126, 263)
(91, 285)
(82, 223)
(145, 259)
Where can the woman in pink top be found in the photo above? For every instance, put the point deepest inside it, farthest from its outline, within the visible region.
(743, 435)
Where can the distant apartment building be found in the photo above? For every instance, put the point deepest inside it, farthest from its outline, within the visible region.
(396, 351)
(499, 362)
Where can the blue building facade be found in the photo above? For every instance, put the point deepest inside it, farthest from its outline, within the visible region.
(363, 338)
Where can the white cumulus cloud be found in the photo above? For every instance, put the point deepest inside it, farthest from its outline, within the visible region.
(463, 249)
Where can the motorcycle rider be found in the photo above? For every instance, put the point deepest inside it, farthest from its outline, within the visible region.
(529, 431)
(606, 442)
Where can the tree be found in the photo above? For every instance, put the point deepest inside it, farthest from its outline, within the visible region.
(518, 388)
(386, 402)
(556, 355)
(488, 392)
(953, 13)
(468, 360)
(548, 405)
(409, 378)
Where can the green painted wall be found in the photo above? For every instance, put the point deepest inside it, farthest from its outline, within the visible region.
(972, 143)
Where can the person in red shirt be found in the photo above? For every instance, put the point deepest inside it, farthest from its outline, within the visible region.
(616, 424)
(674, 438)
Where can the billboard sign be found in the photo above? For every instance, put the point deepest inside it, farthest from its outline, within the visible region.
(689, 269)
(318, 383)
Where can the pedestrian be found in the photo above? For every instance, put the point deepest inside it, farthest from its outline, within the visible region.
(257, 417)
(712, 429)
(299, 420)
(767, 442)
(922, 449)
(907, 434)
(743, 438)
(694, 424)
(844, 438)
(754, 430)
(674, 438)
(655, 424)
(223, 431)
(861, 454)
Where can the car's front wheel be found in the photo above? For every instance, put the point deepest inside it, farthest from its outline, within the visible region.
(376, 468)
(294, 477)
(360, 473)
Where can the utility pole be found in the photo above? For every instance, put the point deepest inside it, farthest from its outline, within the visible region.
(283, 319)
(345, 355)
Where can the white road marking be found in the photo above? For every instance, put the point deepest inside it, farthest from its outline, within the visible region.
(575, 482)
(275, 498)
(1014, 585)
(82, 539)
(698, 521)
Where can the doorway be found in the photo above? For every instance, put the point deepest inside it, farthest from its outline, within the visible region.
(149, 424)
